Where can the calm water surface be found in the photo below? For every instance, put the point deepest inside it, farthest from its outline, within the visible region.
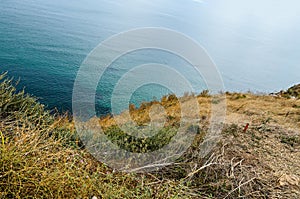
(255, 44)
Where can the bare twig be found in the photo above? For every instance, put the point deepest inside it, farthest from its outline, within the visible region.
(232, 191)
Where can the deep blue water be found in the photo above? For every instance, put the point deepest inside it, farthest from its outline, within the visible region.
(256, 45)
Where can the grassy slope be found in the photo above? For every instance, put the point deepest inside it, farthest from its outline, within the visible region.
(41, 157)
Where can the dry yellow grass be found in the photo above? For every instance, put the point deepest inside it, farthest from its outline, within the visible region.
(42, 157)
(241, 109)
(270, 148)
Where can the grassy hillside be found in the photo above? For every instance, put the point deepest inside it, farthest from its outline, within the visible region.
(293, 92)
(42, 157)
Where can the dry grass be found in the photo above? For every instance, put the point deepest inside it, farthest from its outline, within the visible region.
(261, 162)
(42, 157)
(257, 109)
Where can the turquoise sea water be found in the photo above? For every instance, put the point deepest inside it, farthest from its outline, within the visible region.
(256, 45)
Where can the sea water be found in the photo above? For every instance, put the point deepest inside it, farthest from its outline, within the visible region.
(255, 44)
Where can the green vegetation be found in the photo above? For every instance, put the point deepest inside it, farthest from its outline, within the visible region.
(140, 145)
(290, 140)
(294, 91)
